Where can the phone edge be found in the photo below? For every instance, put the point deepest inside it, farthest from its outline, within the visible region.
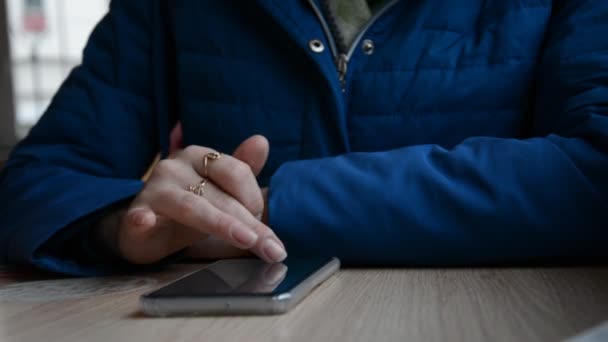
(230, 306)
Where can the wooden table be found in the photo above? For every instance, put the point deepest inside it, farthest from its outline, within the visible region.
(544, 304)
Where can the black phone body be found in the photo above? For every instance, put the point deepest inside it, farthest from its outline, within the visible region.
(240, 287)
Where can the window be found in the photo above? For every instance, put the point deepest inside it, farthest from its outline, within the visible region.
(46, 39)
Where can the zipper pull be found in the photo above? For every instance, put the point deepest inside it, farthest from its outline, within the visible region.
(342, 64)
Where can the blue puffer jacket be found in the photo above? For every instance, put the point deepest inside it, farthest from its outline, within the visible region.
(475, 133)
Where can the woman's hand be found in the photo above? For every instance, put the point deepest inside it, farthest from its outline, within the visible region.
(166, 217)
(213, 248)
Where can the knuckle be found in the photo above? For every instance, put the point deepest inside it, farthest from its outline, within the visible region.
(193, 154)
(236, 209)
(243, 169)
(148, 194)
(166, 168)
(244, 187)
(222, 225)
(239, 172)
(255, 204)
(192, 151)
(187, 204)
(158, 191)
(225, 203)
(252, 204)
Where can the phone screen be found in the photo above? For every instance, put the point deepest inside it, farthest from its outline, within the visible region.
(243, 277)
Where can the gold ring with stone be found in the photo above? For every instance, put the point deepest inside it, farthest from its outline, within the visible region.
(199, 189)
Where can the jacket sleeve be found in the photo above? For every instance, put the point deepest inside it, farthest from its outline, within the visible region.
(89, 149)
(485, 201)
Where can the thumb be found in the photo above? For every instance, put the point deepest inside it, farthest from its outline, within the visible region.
(253, 152)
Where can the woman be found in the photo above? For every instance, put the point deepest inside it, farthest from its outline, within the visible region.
(402, 132)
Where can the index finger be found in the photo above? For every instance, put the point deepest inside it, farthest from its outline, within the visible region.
(195, 211)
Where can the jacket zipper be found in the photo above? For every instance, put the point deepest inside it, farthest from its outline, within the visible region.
(342, 58)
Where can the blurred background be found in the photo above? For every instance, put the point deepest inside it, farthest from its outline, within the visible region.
(40, 42)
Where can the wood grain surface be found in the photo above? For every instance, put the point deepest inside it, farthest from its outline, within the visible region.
(535, 304)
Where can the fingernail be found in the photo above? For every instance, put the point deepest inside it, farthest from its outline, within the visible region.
(244, 236)
(274, 251)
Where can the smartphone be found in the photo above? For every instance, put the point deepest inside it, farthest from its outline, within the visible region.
(240, 287)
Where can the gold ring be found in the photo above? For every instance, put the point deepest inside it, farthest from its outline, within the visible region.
(199, 189)
(209, 157)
